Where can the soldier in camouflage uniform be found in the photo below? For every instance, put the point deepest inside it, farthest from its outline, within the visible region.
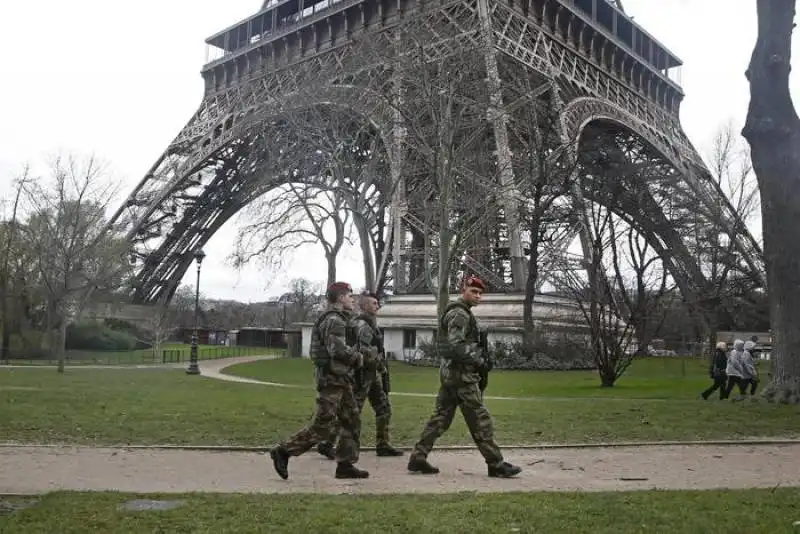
(461, 361)
(375, 383)
(336, 362)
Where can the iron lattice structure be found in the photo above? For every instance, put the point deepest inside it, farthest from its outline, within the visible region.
(603, 76)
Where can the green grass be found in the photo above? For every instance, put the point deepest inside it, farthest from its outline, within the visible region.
(708, 512)
(170, 353)
(652, 378)
(165, 406)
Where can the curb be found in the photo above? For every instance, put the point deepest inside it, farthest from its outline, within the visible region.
(450, 448)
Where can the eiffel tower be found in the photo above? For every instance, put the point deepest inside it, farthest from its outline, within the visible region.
(609, 76)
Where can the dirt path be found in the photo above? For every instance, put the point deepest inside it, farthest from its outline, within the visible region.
(33, 470)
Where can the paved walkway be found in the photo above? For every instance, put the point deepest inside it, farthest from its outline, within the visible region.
(35, 470)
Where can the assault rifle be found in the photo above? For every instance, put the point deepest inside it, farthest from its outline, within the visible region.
(351, 339)
(483, 345)
(386, 380)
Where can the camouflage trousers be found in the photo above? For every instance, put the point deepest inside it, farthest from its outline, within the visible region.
(337, 410)
(468, 398)
(379, 400)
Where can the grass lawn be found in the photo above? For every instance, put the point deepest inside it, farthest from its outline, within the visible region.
(752, 511)
(165, 406)
(169, 353)
(651, 378)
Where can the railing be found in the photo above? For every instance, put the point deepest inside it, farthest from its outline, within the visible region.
(169, 355)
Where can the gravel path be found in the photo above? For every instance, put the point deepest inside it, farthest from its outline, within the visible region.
(34, 470)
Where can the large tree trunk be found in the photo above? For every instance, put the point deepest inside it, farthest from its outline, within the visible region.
(443, 289)
(773, 132)
(366, 251)
(528, 328)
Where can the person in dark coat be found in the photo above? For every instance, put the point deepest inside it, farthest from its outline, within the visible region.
(716, 371)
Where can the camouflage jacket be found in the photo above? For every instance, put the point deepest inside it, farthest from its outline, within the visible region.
(370, 343)
(332, 352)
(458, 345)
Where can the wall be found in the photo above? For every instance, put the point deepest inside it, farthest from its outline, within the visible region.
(305, 332)
(393, 342)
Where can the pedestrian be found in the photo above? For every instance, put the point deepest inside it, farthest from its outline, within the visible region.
(751, 366)
(336, 363)
(736, 369)
(719, 361)
(459, 375)
(375, 385)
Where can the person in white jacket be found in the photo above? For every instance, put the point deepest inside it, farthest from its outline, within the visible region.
(752, 380)
(739, 370)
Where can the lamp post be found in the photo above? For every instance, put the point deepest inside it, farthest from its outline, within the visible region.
(194, 369)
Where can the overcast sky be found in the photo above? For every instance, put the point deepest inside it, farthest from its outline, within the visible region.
(120, 79)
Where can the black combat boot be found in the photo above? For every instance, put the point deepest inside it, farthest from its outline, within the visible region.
(384, 449)
(326, 450)
(280, 460)
(421, 466)
(348, 470)
(504, 470)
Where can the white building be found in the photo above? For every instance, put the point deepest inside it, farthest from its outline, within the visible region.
(408, 320)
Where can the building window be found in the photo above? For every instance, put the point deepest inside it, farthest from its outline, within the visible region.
(409, 339)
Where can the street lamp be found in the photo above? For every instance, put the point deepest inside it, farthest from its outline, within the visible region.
(194, 369)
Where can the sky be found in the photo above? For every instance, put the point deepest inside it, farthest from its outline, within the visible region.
(119, 80)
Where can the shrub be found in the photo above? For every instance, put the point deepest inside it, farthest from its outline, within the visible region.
(559, 354)
(555, 355)
(97, 336)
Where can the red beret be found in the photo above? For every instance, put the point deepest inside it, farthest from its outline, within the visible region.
(339, 287)
(474, 281)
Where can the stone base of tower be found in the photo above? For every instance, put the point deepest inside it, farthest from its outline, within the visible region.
(408, 321)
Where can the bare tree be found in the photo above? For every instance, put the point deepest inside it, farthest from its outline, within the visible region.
(620, 296)
(292, 216)
(12, 266)
(69, 247)
(546, 166)
(773, 132)
(449, 170)
(166, 319)
(349, 160)
(304, 298)
(732, 168)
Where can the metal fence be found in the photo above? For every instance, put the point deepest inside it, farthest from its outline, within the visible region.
(138, 357)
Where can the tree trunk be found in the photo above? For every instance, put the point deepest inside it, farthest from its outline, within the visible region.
(62, 345)
(606, 365)
(6, 342)
(366, 252)
(331, 260)
(528, 328)
(607, 378)
(712, 343)
(443, 289)
(773, 131)
(5, 348)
